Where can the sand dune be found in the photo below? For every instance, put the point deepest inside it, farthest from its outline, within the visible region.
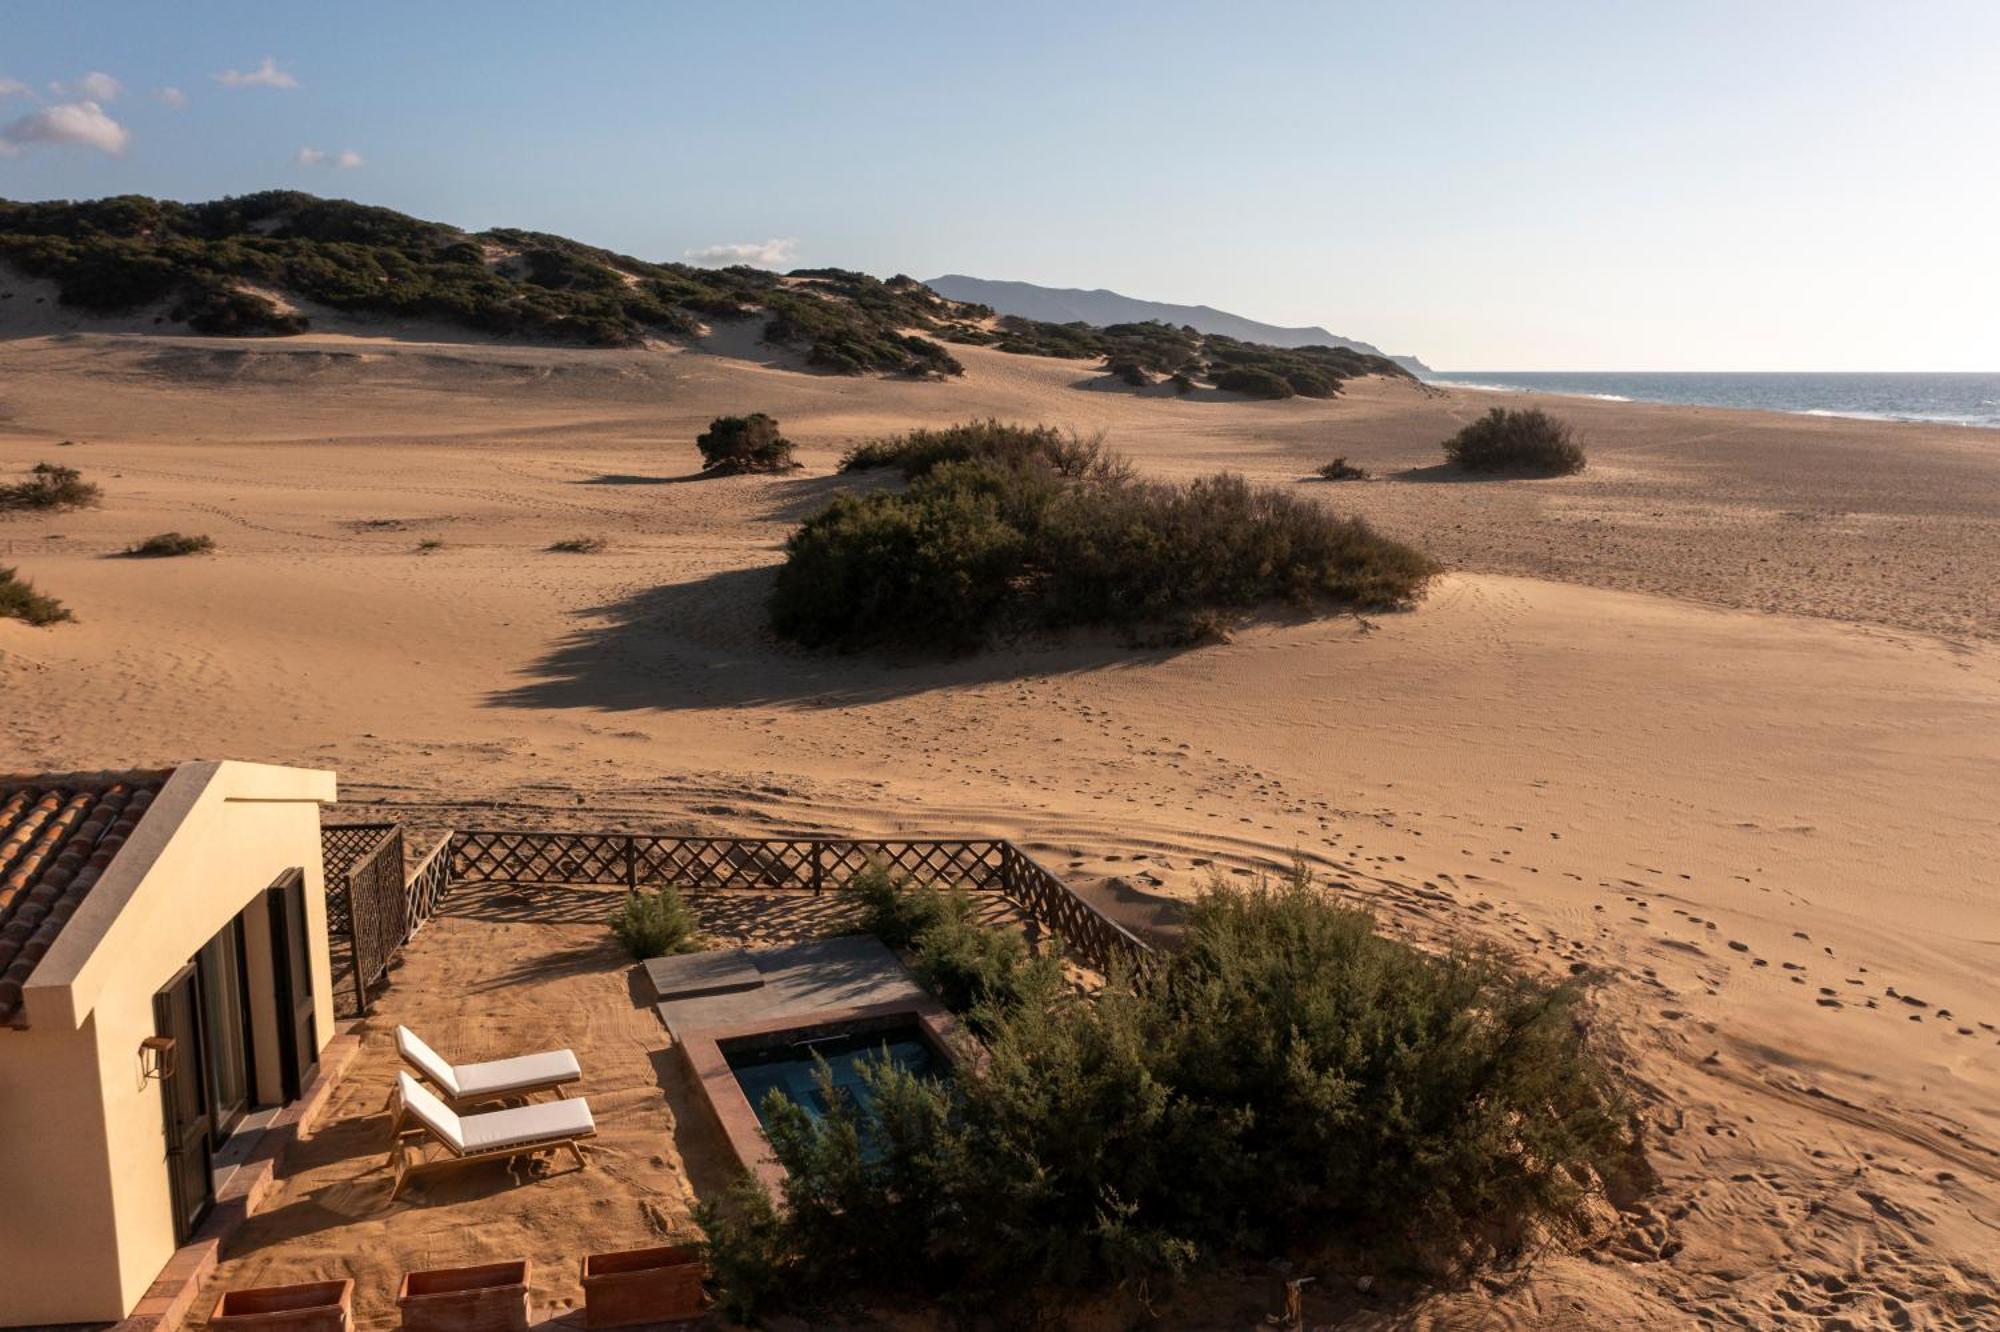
(1719, 719)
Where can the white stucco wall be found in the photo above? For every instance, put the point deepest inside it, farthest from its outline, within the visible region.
(85, 1211)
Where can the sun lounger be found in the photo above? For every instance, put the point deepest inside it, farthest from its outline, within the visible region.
(464, 1086)
(430, 1138)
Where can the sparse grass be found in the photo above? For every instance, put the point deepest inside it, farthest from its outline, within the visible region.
(1342, 470)
(429, 545)
(20, 601)
(50, 488)
(745, 444)
(1526, 440)
(1010, 529)
(1287, 1072)
(656, 924)
(169, 544)
(579, 545)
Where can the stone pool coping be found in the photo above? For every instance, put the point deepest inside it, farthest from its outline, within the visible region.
(732, 1110)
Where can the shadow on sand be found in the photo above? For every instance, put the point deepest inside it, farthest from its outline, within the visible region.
(705, 644)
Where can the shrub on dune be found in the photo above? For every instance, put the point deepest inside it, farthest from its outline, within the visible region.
(50, 487)
(745, 444)
(1286, 1072)
(169, 544)
(20, 601)
(1526, 440)
(1011, 529)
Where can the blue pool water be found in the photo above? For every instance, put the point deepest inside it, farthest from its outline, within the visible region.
(789, 1068)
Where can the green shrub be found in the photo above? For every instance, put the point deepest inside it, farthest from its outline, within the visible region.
(1287, 1072)
(1066, 453)
(51, 487)
(1254, 382)
(1342, 470)
(745, 444)
(1526, 440)
(1013, 529)
(581, 545)
(656, 924)
(168, 544)
(20, 601)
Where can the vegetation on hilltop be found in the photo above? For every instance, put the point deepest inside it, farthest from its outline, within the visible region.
(234, 266)
(1141, 354)
(1007, 529)
(1286, 1079)
(213, 262)
(1526, 440)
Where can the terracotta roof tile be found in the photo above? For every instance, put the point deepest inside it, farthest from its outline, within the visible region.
(58, 833)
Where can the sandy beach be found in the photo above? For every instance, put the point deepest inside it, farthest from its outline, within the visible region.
(1717, 720)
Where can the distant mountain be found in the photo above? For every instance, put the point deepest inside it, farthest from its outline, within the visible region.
(1069, 305)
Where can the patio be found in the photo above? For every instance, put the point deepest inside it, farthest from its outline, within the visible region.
(501, 970)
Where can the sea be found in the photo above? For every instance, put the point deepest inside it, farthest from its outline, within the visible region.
(1939, 399)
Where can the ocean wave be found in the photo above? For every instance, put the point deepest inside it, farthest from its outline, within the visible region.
(1524, 388)
(1978, 421)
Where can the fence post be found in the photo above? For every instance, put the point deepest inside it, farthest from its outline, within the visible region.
(631, 864)
(819, 867)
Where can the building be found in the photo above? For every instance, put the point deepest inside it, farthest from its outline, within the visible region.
(163, 977)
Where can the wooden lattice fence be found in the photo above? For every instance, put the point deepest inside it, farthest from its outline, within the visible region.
(799, 864)
(374, 905)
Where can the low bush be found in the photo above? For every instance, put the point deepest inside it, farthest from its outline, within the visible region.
(20, 601)
(168, 544)
(1526, 440)
(967, 965)
(745, 444)
(51, 487)
(1012, 529)
(1254, 382)
(1066, 453)
(1287, 1072)
(655, 924)
(1342, 470)
(581, 545)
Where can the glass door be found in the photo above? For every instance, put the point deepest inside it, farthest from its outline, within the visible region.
(184, 1100)
(225, 1025)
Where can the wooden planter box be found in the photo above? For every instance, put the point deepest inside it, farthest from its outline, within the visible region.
(313, 1306)
(660, 1285)
(492, 1297)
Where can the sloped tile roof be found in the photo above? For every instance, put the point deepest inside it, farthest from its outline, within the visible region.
(58, 833)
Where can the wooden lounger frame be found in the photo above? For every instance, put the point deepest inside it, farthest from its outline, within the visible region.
(407, 1156)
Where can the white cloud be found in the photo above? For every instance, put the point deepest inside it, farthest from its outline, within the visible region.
(12, 87)
(83, 124)
(171, 96)
(760, 254)
(97, 86)
(346, 159)
(266, 75)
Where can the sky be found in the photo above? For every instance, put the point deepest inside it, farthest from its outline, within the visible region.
(1623, 186)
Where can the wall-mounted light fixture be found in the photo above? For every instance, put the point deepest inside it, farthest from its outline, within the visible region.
(156, 1057)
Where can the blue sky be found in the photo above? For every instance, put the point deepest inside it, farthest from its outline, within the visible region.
(1518, 186)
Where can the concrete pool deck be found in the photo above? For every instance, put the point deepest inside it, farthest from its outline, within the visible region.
(744, 986)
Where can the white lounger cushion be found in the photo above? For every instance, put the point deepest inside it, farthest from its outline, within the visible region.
(495, 1130)
(495, 1077)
